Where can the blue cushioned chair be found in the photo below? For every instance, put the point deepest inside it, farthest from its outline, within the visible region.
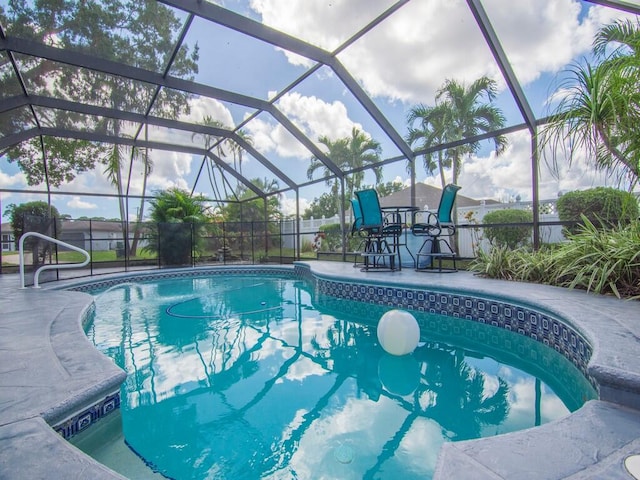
(356, 228)
(437, 227)
(381, 243)
(357, 216)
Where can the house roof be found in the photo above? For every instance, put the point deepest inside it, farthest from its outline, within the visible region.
(94, 225)
(427, 195)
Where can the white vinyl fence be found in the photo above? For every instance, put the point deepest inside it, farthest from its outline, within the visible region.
(469, 239)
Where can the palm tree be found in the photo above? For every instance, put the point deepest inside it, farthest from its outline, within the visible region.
(237, 150)
(361, 151)
(349, 153)
(601, 106)
(209, 141)
(464, 115)
(431, 132)
(114, 162)
(148, 168)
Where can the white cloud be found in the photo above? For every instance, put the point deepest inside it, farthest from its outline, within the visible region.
(271, 137)
(317, 117)
(313, 116)
(504, 177)
(202, 107)
(308, 20)
(76, 202)
(408, 55)
(169, 170)
(12, 181)
(288, 205)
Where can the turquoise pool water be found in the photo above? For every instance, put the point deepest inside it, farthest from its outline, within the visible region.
(247, 377)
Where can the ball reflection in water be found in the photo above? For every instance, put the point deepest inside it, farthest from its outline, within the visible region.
(399, 375)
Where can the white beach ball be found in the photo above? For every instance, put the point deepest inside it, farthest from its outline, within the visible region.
(398, 332)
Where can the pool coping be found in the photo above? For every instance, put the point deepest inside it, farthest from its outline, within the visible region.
(53, 335)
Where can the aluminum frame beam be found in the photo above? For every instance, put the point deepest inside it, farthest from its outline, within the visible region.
(80, 60)
(257, 30)
(48, 102)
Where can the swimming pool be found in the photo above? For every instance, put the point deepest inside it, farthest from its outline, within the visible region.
(249, 376)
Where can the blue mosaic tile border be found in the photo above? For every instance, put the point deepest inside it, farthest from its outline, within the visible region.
(540, 326)
(88, 416)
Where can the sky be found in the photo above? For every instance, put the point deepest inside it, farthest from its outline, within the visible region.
(402, 62)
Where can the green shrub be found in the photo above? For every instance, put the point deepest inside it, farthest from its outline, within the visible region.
(604, 207)
(508, 236)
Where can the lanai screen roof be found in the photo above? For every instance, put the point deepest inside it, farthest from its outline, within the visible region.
(207, 96)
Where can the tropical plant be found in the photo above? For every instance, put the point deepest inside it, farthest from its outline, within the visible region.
(331, 235)
(508, 236)
(177, 205)
(519, 264)
(602, 261)
(348, 154)
(385, 189)
(175, 232)
(599, 110)
(323, 206)
(593, 259)
(237, 150)
(460, 112)
(605, 207)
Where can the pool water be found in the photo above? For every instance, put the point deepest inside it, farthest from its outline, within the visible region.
(247, 377)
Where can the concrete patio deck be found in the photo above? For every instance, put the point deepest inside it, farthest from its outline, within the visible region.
(47, 365)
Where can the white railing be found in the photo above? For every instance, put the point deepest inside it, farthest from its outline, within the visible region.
(36, 275)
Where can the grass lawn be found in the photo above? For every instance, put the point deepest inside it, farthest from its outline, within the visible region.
(102, 256)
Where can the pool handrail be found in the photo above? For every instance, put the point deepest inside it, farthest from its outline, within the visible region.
(36, 275)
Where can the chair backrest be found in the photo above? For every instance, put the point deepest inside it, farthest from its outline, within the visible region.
(446, 203)
(370, 208)
(357, 215)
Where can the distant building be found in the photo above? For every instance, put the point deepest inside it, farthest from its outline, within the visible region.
(8, 242)
(429, 196)
(92, 234)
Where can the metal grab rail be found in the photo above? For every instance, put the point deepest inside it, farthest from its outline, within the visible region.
(36, 275)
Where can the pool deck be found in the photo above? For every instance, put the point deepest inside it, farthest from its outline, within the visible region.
(47, 365)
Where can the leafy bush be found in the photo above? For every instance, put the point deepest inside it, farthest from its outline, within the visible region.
(604, 207)
(332, 237)
(37, 217)
(508, 236)
(594, 259)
